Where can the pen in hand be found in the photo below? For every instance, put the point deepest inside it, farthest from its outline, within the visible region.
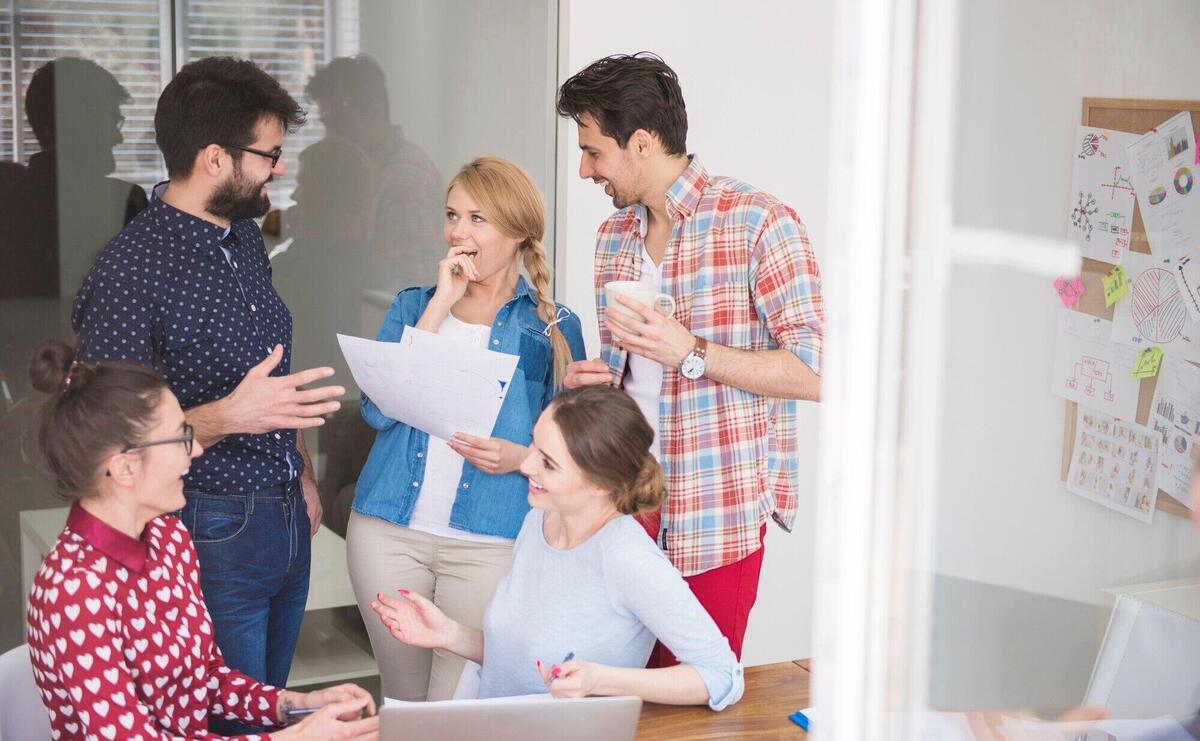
(556, 670)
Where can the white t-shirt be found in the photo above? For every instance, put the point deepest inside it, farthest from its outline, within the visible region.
(644, 382)
(443, 467)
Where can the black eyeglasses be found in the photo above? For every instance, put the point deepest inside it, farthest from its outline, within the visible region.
(187, 438)
(273, 155)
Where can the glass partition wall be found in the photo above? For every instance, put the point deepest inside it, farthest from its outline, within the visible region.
(356, 218)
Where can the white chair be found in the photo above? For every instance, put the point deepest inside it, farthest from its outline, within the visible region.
(468, 683)
(1148, 663)
(22, 715)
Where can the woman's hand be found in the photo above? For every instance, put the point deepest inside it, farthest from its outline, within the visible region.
(488, 454)
(451, 287)
(414, 620)
(289, 700)
(572, 679)
(336, 720)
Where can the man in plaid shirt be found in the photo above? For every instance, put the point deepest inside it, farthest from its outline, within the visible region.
(718, 380)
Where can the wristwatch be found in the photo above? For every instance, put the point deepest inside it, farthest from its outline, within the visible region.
(693, 363)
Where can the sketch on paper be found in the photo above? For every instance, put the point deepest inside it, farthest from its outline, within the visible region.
(1114, 464)
(1175, 418)
(1090, 369)
(1102, 195)
(1156, 311)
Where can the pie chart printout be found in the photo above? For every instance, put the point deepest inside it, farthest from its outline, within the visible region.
(1157, 306)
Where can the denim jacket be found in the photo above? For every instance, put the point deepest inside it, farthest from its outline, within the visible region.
(486, 504)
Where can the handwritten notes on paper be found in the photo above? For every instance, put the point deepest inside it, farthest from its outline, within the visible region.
(1147, 364)
(430, 382)
(1102, 199)
(1091, 369)
(1116, 285)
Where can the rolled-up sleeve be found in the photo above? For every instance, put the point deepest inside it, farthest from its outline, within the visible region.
(643, 581)
(787, 285)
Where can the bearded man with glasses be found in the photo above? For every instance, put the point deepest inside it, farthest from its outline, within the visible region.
(186, 288)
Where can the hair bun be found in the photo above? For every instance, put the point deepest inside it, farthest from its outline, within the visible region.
(50, 365)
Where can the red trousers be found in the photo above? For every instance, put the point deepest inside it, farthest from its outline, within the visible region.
(727, 593)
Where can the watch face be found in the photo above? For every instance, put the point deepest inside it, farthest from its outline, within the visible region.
(692, 367)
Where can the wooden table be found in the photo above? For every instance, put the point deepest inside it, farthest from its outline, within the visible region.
(773, 691)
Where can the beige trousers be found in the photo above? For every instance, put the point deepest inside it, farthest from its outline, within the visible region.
(458, 576)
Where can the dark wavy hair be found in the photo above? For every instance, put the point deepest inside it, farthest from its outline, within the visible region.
(627, 92)
(217, 100)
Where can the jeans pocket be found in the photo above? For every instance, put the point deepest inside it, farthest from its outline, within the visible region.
(215, 519)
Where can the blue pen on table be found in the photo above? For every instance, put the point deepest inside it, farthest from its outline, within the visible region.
(554, 670)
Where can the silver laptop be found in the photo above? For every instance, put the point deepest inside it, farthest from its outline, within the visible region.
(513, 719)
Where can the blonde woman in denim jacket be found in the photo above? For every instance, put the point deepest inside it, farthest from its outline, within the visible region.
(440, 516)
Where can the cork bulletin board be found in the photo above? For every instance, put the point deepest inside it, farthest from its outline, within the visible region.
(1138, 117)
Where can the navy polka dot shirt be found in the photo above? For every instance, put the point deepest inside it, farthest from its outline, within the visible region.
(193, 300)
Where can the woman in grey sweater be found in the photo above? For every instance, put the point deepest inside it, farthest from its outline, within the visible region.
(588, 587)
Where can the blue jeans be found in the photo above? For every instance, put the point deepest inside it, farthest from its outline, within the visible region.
(254, 550)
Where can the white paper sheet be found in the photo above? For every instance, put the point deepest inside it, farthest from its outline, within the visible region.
(1187, 274)
(433, 384)
(1114, 464)
(1167, 180)
(1101, 209)
(1175, 417)
(1154, 312)
(1092, 370)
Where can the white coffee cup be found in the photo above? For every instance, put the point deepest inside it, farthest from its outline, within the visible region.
(643, 293)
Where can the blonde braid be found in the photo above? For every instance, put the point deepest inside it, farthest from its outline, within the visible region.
(539, 275)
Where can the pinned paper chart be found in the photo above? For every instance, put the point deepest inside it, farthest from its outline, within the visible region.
(1175, 418)
(1164, 173)
(1102, 198)
(1092, 370)
(1155, 312)
(1187, 275)
(1114, 463)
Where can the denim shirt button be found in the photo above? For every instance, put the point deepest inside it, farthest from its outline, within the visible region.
(495, 342)
(420, 455)
(416, 483)
(466, 486)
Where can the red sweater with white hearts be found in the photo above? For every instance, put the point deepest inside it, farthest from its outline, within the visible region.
(122, 644)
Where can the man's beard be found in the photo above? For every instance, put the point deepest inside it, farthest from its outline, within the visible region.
(238, 198)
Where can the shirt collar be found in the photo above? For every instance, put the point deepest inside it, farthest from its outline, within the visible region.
(184, 219)
(523, 290)
(683, 197)
(127, 551)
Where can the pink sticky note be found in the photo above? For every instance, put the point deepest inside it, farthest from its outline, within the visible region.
(1069, 289)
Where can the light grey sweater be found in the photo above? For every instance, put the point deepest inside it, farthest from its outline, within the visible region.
(606, 600)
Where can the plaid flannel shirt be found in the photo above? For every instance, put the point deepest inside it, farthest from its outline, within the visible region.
(741, 270)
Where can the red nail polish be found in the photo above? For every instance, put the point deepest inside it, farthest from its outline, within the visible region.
(405, 592)
(539, 663)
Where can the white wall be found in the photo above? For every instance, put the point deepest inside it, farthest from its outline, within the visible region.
(1005, 518)
(756, 83)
